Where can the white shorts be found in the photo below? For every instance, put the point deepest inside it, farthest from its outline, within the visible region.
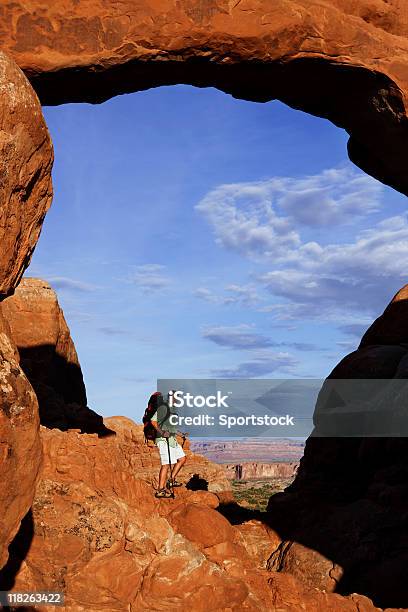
(176, 452)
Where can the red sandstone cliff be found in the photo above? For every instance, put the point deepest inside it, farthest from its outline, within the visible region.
(96, 532)
(251, 470)
(20, 444)
(250, 450)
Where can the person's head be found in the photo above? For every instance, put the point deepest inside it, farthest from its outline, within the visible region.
(156, 398)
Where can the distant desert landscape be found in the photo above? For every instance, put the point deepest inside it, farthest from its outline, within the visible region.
(257, 468)
(250, 450)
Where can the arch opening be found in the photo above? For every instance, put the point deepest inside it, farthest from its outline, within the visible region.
(236, 334)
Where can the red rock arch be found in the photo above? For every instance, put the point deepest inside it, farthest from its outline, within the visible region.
(339, 59)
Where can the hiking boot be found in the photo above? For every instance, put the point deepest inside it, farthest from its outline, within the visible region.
(176, 483)
(163, 493)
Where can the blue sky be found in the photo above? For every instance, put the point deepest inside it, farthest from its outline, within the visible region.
(193, 236)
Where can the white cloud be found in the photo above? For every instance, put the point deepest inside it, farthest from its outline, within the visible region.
(111, 330)
(244, 337)
(242, 294)
(335, 196)
(348, 345)
(261, 219)
(70, 284)
(237, 337)
(359, 276)
(260, 364)
(245, 295)
(207, 295)
(354, 329)
(266, 220)
(150, 278)
(243, 219)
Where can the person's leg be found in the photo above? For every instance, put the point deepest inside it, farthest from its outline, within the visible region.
(164, 469)
(178, 466)
(164, 460)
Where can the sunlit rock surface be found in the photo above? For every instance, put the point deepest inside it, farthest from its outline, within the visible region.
(97, 533)
(20, 447)
(25, 173)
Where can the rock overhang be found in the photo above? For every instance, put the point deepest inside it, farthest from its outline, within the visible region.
(337, 59)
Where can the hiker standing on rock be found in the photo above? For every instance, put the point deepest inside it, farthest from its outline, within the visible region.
(157, 427)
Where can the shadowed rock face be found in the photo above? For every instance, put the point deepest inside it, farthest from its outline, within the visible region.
(339, 59)
(41, 334)
(48, 357)
(344, 519)
(25, 173)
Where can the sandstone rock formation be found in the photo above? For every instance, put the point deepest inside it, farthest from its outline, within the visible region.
(48, 357)
(94, 529)
(343, 520)
(340, 59)
(25, 195)
(25, 173)
(97, 533)
(200, 474)
(20, 448)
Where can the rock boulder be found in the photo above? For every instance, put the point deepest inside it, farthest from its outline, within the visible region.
(25, 173)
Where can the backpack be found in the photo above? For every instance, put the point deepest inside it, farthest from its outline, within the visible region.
(149, 426)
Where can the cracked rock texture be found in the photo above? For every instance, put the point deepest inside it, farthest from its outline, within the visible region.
(20, 446)
(25, 173)
(97, 533)
(345, 60)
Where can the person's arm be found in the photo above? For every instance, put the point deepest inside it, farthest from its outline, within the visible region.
(160, 432)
